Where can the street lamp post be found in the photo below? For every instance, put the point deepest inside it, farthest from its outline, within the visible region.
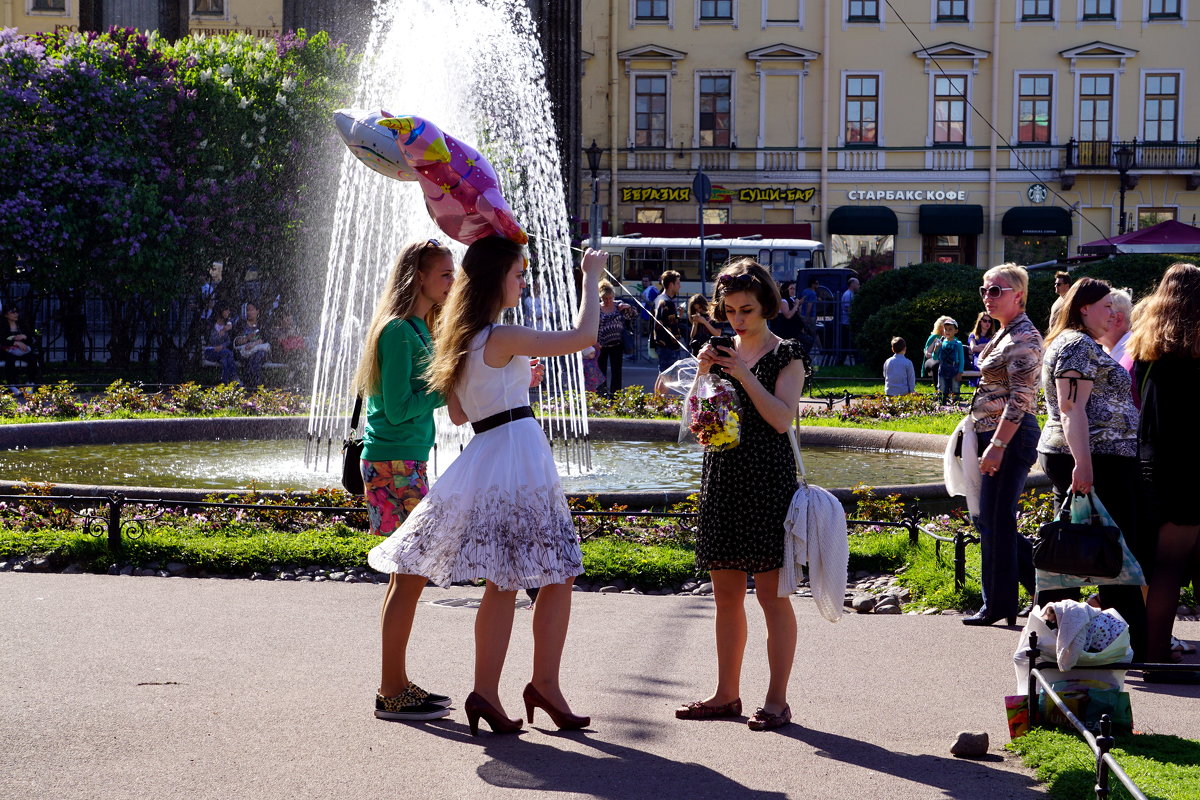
(593, 159)
(1124, 157)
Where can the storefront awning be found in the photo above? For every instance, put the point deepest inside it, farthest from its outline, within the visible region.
(863, 221)
(1034, 221)
(951, 220)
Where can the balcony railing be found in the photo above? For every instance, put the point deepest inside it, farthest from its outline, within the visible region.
(1074, 155)
(1146, 155)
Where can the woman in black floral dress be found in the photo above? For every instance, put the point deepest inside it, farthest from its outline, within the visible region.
(746, 491)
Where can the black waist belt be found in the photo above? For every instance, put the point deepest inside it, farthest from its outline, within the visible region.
(503, 418)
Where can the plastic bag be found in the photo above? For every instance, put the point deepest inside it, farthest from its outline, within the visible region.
(680, 377)
(1131, 571)
(712, 414)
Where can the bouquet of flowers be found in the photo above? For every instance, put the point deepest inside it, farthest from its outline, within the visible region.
(713, 414)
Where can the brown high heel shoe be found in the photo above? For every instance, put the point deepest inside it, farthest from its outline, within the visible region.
(477, 707)
(565, 720)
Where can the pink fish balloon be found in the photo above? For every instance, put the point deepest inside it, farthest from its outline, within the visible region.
(461, 191)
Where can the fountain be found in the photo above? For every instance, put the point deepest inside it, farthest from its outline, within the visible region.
(475, 68)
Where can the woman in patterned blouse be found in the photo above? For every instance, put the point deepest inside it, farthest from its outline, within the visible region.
(1004, 411)
(1090, 440)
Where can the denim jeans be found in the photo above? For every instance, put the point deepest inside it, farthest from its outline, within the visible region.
(1007, 556)
(947, 385)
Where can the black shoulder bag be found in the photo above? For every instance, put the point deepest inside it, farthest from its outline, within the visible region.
(352, 448)
(1090, 549)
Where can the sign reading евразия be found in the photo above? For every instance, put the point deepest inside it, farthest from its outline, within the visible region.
(751, 194)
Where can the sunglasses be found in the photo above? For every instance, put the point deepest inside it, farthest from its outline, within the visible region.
(736, 282)
(994, 291)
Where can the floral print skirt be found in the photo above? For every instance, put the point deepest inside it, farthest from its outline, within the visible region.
(393, 489)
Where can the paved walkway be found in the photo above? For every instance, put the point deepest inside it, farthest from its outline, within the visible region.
(117, 687)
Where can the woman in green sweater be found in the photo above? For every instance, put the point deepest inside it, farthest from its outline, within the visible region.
(399, 434)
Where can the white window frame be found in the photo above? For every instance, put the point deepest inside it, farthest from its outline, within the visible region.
(1115, 21)
(800, 75)
(1016, 106)
(648, 73)
(192, 13)
(846, 23)
(733, 85)
(634, 21)
(29, 10)
(934, 21)
(732, 21)
(1115, 133)
(799, 23)
(1180, 117)
(879, 75)
(1181, 19)
(1137, 210)
(968, 128)
(1055, 12)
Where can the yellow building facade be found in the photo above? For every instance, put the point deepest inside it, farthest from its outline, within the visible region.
(257, 17)
(964, 130)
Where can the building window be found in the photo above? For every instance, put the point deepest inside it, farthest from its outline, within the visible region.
(1147, 217)
(950, 110)
(650, 111)
(863, 11)
(1162, 108)
(208, 8)
(952, 11)
(1095, 108)
(862, 110)
(781, 12)
(1033, 109)
(48, 6)
(1034, 249)
(1037, 10)
(715, 216)
(1165, 9)
(716, 10)
(1099, 9)
(714, 110)
(652, 215)
(651, 10)
(865, 254)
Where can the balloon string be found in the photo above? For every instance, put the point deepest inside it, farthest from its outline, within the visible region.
(624, 287)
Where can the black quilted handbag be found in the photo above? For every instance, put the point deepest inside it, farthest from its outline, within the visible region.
(1090, 549)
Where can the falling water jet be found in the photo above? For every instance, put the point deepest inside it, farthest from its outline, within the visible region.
(474, 67)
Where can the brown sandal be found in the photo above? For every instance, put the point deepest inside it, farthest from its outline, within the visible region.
(764, 720)
(698, 710)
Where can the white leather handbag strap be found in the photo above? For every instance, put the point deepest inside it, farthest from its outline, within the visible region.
(796, 452)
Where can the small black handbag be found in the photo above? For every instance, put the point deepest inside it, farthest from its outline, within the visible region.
(1090, 549)
(352, 448)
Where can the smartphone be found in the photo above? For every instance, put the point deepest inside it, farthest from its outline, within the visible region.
(720, 341)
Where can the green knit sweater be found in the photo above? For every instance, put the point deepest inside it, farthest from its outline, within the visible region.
(400, 417)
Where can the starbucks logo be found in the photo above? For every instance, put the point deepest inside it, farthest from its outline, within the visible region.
(1037, 193)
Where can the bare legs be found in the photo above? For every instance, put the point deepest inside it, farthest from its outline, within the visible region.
(1176, 559)
(729, 592)
(395, 622)
(493, 629)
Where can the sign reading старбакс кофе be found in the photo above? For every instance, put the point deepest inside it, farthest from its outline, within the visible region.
(904, 194)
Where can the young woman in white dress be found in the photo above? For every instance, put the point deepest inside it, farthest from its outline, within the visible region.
(499, 512)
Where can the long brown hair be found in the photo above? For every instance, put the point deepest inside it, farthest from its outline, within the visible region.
(397, 302)
(1083, 292)
(1168, 321)
(475, 302)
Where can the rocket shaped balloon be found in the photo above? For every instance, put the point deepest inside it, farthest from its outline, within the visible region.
(460, 186)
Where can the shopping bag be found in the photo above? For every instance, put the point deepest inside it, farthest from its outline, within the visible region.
(1082, 509)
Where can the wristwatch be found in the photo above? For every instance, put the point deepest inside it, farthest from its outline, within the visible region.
(998, 443)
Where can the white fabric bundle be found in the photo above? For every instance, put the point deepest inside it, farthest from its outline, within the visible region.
(962, 476)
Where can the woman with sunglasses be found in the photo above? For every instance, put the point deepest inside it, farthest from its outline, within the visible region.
(398, 436)
(498, 512)
(1090, 440)
(746, 491)
(1003, 413)
(978, 338)
(1165, 346)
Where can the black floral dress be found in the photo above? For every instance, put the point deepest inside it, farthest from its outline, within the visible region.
(746, 491)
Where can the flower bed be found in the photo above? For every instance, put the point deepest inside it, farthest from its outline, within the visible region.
(63, 400)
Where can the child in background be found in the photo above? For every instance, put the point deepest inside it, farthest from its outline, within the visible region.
(899, 377)
(948, 351)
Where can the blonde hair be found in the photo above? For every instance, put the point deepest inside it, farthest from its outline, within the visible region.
(1167, 322)
(397, 302)
(937, 325)
(475, 302)
(1014, 275)
(606, 288)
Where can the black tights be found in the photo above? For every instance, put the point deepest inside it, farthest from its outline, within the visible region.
(1176, 560)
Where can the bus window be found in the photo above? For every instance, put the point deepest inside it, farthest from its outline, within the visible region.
(715, 258)
(784, 263)
(643, 260)
(616, 265)
(685, 261)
